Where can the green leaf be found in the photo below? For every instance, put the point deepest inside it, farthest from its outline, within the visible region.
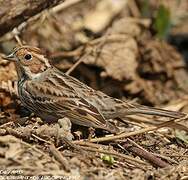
(108, 159)
(182, 135)
(162, 22)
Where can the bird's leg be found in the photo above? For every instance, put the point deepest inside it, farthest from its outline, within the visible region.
(65, 128)
(91, 133)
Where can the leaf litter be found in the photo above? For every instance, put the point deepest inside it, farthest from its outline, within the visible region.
(118, 51)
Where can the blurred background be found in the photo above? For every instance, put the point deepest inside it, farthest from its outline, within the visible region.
(138, 47)
(129, 49)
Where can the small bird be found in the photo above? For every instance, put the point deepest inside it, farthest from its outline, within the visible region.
(53, 95)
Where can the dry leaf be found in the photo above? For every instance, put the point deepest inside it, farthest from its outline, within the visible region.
(117, 55)
(104, 12)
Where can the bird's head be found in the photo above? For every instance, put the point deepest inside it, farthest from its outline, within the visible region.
(30, 61)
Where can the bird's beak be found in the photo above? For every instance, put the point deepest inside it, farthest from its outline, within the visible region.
(10, 57)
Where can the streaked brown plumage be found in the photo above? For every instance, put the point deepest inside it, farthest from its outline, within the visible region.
(52, 95)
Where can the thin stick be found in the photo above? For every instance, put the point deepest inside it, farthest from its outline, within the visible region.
(34, 148)
(97, 148)
(15, 33)
(119, 155)
(76, 64)
(141, 131)
(58, 156)
(14, 139)
(93, 145)
(101, 43)
(123, 135)
(75, 53)
(40, 139)
(155, 154)
(166, 158)
(18, 40)
(141, 152)
(64, 5)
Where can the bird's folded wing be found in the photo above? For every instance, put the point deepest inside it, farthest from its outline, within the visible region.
(50, 99)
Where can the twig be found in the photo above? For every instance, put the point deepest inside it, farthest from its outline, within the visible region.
(34, 148)
(65, 140)
(116, 154)
(166, 158)
(65, 5)
(77, 63)
(17, 134)
(177, 155)
(15, 34)
(97, 148)
(155, 154)
(98, 51)
(141, 131)
(40, 139)
(75, 53)
(85, 143)
(58, 156)
(14, 139)
(74, 66)
(123, 135)
(6, 124)
(144, 154)
(70, 144)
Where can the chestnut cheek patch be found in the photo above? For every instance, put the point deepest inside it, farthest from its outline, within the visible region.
(36, 68)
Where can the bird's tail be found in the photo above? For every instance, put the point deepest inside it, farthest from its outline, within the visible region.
(140, 109)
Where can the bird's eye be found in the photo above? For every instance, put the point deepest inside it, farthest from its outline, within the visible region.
(28, 57)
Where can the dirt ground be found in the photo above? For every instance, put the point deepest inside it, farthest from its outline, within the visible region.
(128, 49)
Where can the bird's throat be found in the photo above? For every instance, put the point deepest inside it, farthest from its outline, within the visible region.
(20, 72)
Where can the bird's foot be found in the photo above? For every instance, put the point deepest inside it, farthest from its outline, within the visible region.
(91, 133)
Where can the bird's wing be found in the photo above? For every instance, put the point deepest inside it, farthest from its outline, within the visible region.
(54, 95)
(111, 107)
